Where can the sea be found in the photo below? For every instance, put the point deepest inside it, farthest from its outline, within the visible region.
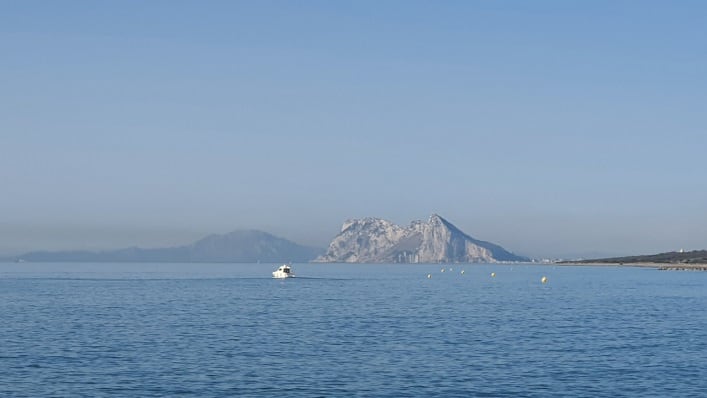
(351, 330)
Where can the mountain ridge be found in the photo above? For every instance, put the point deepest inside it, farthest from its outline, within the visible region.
(239, 246)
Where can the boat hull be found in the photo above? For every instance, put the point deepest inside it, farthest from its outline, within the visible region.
(283, 272)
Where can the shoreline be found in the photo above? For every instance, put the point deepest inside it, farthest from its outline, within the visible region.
(659, 266)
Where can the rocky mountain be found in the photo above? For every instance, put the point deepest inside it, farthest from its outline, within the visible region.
(246, 246)
(373, 240)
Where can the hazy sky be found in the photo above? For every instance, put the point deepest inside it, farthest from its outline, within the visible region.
(553, 128)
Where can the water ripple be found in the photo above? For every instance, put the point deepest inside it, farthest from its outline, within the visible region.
(381, 331)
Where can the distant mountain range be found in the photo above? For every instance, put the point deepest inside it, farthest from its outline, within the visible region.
(374, 240)
(245, 246)
(368, 240)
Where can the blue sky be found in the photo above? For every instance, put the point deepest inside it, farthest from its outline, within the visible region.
(554, 128)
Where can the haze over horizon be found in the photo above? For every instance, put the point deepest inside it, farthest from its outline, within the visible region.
(554, 129)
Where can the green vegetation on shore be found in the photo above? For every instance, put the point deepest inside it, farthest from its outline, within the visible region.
(692, 257)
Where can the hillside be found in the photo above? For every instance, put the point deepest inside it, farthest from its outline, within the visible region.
(691, 257)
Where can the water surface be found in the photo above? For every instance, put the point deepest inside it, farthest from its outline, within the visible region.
(213, 330)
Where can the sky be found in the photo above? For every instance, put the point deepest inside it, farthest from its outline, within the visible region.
(553, 128)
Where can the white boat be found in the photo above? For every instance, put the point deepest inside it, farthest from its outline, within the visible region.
(285, 271)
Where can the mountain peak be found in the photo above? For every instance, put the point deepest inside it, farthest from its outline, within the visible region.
(437, 220)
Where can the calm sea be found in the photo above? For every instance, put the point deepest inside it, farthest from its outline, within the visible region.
(215, 330)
